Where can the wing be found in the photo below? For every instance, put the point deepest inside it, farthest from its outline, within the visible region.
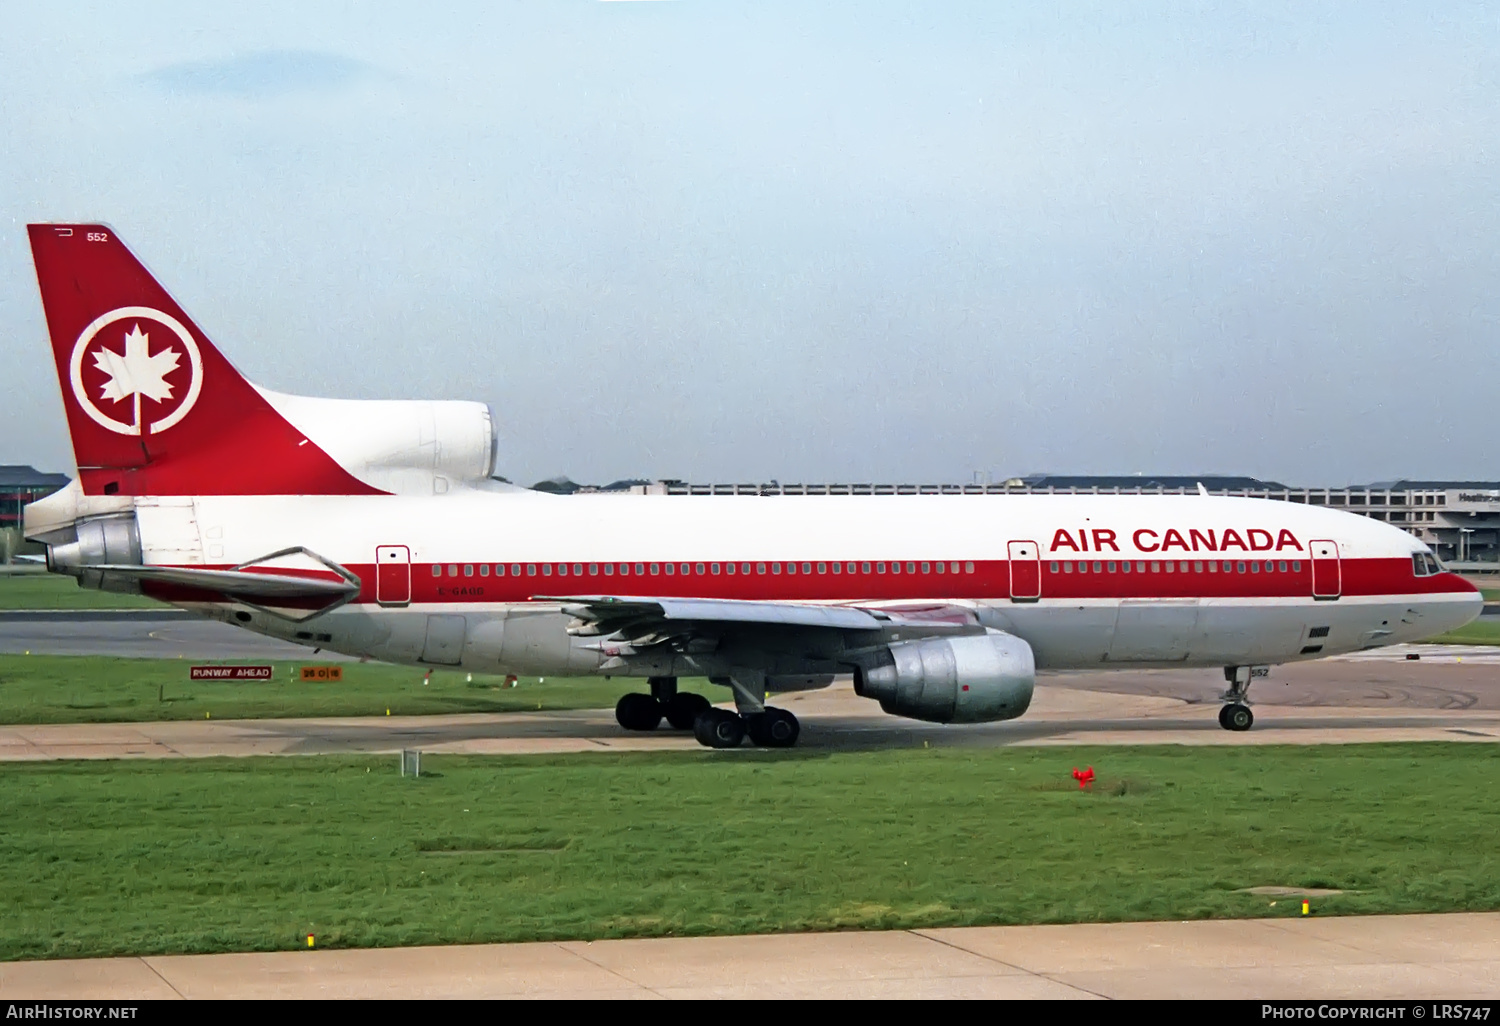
(636, 618)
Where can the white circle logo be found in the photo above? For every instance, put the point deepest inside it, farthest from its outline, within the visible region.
(132, 359)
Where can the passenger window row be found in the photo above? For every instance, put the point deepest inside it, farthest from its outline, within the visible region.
(1197, 566)
(694, 569)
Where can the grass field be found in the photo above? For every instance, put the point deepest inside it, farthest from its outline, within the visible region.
(97, 689)
(51, 591)
(1480, 632)
(254, 854)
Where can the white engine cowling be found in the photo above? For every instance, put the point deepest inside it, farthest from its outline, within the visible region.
(401, 446)
(970, 679)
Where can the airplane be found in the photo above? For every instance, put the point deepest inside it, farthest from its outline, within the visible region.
(376, 529)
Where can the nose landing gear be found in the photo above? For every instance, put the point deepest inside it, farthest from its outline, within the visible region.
(1236, 715)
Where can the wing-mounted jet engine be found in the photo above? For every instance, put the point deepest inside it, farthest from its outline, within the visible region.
(974, 678)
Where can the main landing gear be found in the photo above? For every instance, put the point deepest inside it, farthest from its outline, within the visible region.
(714, 728)
(645, 712)
(1237, 715)
(769, 728)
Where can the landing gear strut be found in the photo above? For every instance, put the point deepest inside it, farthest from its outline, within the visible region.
(645, 712)
(1237, 715)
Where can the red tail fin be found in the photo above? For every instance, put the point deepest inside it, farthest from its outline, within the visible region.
(153, 407)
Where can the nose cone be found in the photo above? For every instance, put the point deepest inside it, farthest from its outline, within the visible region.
(1461, 604)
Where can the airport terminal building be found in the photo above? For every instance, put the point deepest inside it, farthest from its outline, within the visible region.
(20, 485)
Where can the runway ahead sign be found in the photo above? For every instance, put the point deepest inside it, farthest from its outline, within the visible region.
(230, 673)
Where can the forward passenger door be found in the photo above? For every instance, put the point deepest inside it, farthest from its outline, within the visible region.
(1327, 573)
(1025, 571)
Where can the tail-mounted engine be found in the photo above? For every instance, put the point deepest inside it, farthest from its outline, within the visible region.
(970, 679)
(103, 541)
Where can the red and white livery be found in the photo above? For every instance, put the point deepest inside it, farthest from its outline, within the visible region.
(376, 529)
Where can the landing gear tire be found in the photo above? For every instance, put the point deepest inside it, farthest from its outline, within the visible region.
(638, 712)
(774, 728)
(683, 709)
(1236, 717)
(719, 728)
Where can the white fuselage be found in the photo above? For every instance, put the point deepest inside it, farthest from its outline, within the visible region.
(1087, 581)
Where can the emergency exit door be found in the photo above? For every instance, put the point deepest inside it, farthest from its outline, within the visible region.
(1025, 572)
(393, 575)
(1327, 574)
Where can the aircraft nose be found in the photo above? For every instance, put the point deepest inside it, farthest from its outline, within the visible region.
(1462, 606)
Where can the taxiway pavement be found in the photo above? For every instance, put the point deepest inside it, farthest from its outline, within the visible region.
(832, 719)
(141, 634)
(1446, 957)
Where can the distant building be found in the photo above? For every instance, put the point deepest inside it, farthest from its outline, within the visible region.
(20, 485)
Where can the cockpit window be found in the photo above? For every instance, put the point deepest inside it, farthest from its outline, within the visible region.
(1424, 564)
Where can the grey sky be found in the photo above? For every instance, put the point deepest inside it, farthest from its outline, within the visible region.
(867, 241)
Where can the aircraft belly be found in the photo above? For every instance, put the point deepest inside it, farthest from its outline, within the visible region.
(1154, 630)
(526, 641)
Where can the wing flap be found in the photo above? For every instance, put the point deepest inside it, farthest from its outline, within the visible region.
(612, 614)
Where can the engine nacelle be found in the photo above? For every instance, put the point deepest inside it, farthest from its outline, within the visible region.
(99, 541)
(406, 447)
(970, 679)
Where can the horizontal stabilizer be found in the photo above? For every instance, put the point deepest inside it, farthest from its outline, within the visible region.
(235, 582)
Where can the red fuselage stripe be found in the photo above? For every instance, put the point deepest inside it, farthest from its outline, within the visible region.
(988, 579)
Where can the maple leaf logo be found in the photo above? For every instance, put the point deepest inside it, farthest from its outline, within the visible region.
(136, 373)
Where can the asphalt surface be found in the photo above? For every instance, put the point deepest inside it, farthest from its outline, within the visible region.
(1450, 958)
(834, 719)
(141, 634)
